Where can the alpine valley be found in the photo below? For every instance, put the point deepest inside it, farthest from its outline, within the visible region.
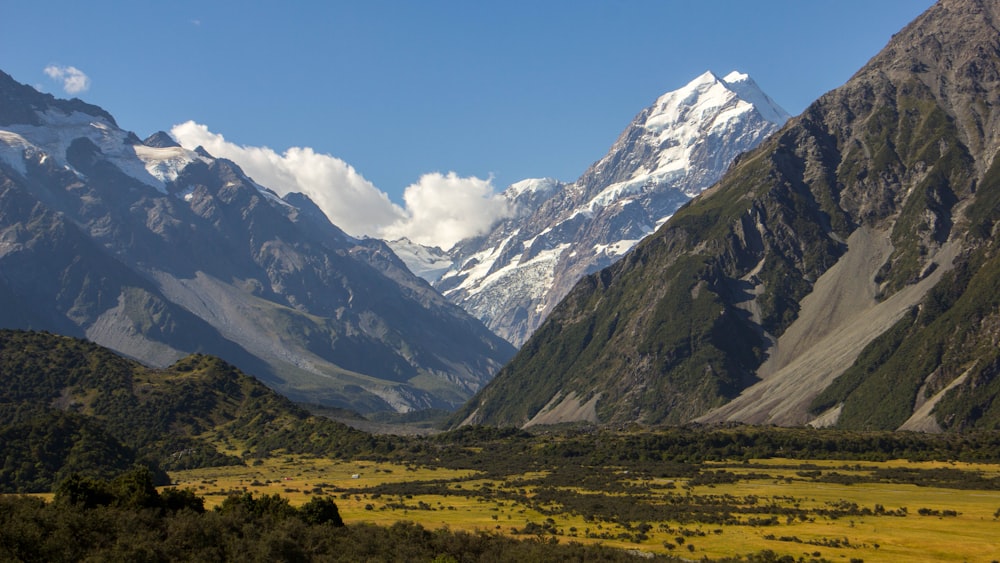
(158, 252)
(844, 273)
(744, 338)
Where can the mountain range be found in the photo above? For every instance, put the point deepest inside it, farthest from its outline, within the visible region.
(844, 273)
(840, 270)
(514, 275)
(157, 252)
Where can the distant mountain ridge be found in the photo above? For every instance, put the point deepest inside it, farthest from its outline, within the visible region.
(157, 251)
(513, 276)
(844, 273)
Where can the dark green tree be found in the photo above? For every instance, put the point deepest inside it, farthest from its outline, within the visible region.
(136, 489)
(86, 492)
(320, 510)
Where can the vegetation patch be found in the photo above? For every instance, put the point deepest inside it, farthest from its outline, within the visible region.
(629, 491)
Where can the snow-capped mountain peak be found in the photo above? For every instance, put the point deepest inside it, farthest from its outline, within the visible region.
(680, 145)
(748, 91)
(701, 99)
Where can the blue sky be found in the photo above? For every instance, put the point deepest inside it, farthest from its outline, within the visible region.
(494, 91)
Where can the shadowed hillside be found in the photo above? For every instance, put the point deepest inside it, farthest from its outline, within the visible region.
(68, 406)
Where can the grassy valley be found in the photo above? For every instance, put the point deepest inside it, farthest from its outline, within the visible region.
(817, 509)
(801, 365)
(91, 434)
(507, 495)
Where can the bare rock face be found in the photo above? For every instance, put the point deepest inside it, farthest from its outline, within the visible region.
(513, 277)
(157, 252)
(843, 273)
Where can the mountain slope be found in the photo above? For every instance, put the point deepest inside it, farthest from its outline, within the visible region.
(157, 252)
(512, 277)
(842, 273)
(68, 405)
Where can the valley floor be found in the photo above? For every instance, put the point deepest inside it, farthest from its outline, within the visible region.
(817, 509)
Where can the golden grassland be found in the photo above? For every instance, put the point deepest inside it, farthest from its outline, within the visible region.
(939, 524)
(972, 535)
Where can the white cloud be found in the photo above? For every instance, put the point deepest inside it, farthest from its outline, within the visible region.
(440, 209)
(350, 201)
(74, 81)
(444, 209)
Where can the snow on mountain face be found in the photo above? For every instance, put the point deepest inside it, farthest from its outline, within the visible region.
(156, 164)
(431, 263)
(165, 164)
(679, 126)
(57, 131)
(672, 151)
(427, 262)
(532, 187)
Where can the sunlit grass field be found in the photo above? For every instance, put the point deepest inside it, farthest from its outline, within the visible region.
(791, 507)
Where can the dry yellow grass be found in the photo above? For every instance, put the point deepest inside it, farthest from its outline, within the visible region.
(295, 477)
(969, 536)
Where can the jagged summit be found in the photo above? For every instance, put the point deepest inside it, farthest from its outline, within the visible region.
(690, 135)
(513, 276)
(708, 91)
(20, 103)
(748, 90)
(161, 140)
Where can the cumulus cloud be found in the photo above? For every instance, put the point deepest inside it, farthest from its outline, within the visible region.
(440, 209)
(74, 81)
(350, 201)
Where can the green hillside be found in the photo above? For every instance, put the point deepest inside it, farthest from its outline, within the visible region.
(67, 405)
